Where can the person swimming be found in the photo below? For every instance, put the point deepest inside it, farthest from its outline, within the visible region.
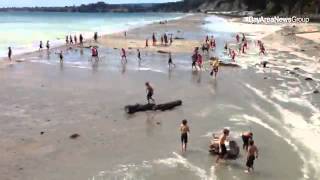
(150, 92)
(252, 154)
(184, 129)
(222, 145)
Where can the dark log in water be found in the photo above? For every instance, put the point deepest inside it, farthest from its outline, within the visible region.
(131, 109)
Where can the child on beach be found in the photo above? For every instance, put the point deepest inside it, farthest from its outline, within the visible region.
(184, 129)
(9, 53)
(150, 91)
(123, 56)
(251, 156)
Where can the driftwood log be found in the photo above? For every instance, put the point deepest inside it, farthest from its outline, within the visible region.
(131, 109)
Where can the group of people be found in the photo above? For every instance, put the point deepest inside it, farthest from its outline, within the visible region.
(164, 39)
(249, 146)
(41, 46)
(74, 39)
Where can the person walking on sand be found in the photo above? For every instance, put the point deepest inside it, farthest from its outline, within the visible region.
(184, 129)
(199, 61)
(40, 46)
(123, 56)
(171, 39)
(9, 53)
(48, 45)
(147, 42)
(161, 38)
(246, 138)
(165, 37)
(67, 39)
(150, 92)
(170, 62)
(252, 154)
(222, 144)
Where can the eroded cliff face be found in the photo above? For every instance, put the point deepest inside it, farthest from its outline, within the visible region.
(223, 5)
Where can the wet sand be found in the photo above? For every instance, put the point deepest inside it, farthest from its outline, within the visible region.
(277, 104)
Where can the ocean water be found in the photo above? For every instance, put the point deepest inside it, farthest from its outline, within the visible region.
(23, 30)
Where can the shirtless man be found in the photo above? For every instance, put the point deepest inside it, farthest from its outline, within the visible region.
(149, 92)
(170, 62)
(123, 56)
(246, 138)
(184, 129)
(222, 145)
(251, 156)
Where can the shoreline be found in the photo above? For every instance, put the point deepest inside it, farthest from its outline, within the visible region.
(90, 40)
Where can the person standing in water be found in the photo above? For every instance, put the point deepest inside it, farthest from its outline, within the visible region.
(139, 55)
(123, 56)
(75, 39)
(154, 39)
(40, 46)
(48, 45)
(81, 39)
(67, 39)
(252, 154)
(184, 129)
(61, 57)
(94, 53)
(71, 39)
(215, 67)
(150, 92)
(222, 144)
(9, 53)
(170, 62)
(95, 36)
(246, 138)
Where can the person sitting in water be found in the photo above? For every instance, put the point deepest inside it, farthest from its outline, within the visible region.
(222, 145)
(150, 91)
(184, 129)
(252, 154)
(246, 137)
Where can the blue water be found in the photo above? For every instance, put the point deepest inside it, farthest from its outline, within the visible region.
(24, 30)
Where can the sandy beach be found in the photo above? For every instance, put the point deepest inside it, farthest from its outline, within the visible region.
(43, 102)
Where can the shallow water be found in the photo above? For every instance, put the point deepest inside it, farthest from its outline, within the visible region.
(24, 30)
